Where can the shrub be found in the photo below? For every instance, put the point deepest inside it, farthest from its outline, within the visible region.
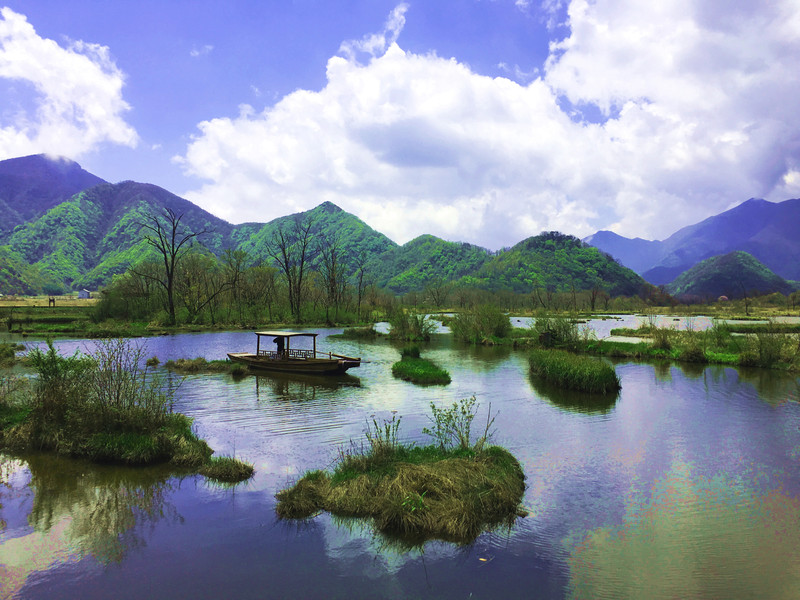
(410, 326)
(575, 372)
(482, 323)
(556, 332)
(452, 426)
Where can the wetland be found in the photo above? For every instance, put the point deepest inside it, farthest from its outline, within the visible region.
(684, 483)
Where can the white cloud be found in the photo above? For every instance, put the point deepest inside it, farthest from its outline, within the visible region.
(77, 92)
(699, 106)
(202, 51)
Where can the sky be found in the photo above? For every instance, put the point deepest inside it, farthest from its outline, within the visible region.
(481, 121)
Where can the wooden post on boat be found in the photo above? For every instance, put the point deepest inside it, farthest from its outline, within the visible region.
(258, 344)
(314, 355)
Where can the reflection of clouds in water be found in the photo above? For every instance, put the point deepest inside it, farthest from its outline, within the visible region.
(694, 538)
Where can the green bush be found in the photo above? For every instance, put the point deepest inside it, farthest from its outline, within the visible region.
(410, 326)
(482, 323)
(556, 331)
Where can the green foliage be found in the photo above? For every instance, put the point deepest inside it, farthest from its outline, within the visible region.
(425, 260)
(556, 331)
(557, 262)
(733, 275)
(483, 322)
(573, 371)
(410, 326)
(451, 427)
(227, 469)
(382, 437)
(420, 371)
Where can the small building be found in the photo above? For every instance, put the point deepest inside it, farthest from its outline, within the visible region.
(722, 299)
(84, 294)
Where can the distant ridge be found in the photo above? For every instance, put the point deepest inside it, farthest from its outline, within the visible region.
(733, 275)
(766, 230)
(32, 185)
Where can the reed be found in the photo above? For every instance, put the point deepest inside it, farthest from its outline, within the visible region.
(421, 371)
(413, 493)
(572, 371)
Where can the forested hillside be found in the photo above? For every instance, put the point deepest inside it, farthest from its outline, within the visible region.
(85, 240)
(558, 262)
(734, 275)
(31, 185)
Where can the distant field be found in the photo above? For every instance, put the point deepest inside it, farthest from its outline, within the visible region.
(31, 301)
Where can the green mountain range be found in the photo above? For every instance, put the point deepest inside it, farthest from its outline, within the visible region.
(83, 240)
(734, 275)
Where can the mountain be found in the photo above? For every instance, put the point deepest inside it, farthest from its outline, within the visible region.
(329, 223)
(97, 233)
(556, 261)
(426, 260)
(87, 238)
(733, 275)
(767, 230)
(32, 185)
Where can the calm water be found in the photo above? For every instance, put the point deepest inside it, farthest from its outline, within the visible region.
(685, 485)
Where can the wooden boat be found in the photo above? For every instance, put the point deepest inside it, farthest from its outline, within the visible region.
(292, 360)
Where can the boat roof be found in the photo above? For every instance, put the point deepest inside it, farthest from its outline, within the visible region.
(278, 333)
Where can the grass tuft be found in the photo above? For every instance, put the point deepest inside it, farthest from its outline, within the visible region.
(227, 469)
(575, 372)
(421, 371)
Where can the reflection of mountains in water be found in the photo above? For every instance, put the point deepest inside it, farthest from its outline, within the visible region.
(292, 386)
(573, 401)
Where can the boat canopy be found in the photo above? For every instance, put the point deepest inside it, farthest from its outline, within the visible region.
(287, 333)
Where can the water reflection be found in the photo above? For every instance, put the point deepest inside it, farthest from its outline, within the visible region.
(574, 401)
(695, 538)
(288, 386)
(78, 509)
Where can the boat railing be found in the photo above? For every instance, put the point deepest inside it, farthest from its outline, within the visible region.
(296, 354)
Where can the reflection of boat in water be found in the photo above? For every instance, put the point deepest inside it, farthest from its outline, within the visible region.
(294, 360)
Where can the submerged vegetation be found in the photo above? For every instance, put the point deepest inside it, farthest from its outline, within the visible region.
(102, 406)
(451, 490)
(576, 372)
(412, 367)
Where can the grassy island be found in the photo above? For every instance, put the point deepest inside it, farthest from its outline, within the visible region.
(411, 367)
(573, 371)
(106, 408)
(189, 366)
(451, 490)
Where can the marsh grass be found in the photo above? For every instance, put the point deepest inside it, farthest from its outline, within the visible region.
(573, 371)
(358, 333)
(410, 326)
(190, 366)
(103, 407)
(485, 324)
(413, 493)
(227, 469)
(420, 370)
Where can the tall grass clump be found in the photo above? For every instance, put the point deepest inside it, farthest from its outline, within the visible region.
(482, 324)
(412, 494)
(107, 407)
(556, 331)
(577, 372)
(412, 367)
(410, 326)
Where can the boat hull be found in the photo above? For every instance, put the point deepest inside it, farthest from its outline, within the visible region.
(312, 366)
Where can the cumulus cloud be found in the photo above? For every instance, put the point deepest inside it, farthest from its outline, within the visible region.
(697, 102)
(77, 92)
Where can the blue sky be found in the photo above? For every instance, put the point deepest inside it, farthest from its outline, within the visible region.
(476, 120)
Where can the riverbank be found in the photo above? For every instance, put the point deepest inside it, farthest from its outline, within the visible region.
(105, 408)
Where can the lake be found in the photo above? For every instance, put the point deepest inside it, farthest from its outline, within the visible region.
(686, 484)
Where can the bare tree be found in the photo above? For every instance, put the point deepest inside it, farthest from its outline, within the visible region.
(172, 243)
(289, 248)
(361, 282)
(332, 271)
